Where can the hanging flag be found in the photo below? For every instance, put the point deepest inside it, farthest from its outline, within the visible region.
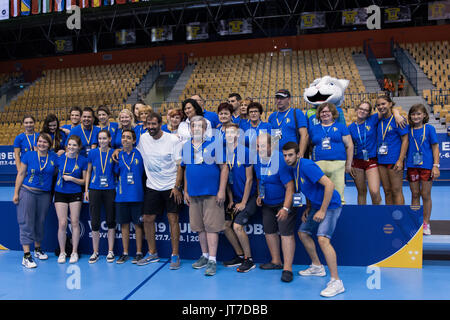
(70, 3)
(121, 1)
(84, 4)
(4, 9)
(47, 6)
(96, 3)
(15, 8)
(108, 2)
(36, 6)
(59, 5)
(25, 7)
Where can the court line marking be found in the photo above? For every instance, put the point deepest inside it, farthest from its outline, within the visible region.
(145, 281)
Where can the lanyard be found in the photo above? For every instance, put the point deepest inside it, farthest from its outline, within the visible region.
(34, 140)
(109, 125)
(39, 160)
(423, 137)
(329, 128)
(280, 123)
(90, 136)
(382, 127)
(231, 164)
(365, 134)
(131, 163)
(297, 177)
(264, 173)
(101, 161)
(74, 166)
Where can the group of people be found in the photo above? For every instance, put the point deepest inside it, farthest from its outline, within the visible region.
(389, 86)
(224, 165)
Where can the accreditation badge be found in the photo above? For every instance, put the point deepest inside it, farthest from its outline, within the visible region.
(297, 200)
(326, 143)
(130, 178)
(418, 158)
(383, 149)
(103, 181)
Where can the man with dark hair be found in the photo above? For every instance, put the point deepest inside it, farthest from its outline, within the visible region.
(75, 118)
(235, 100)
(161, 153)
(289, 122)
(320, 216)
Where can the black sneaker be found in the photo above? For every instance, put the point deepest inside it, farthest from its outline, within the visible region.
(236, 261)
(246, 266)
(287, 276)
(122, 259)
(271, 266)
(138, 257)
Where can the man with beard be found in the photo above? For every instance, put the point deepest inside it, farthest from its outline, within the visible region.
(161, 152)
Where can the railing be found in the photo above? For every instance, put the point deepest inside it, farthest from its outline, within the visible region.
(408, 68)
(372, 60)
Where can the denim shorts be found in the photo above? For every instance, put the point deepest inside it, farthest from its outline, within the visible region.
(324, 228)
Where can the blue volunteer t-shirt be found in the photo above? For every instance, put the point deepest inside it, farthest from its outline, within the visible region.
(40, 170)
(238, 161)
(366, 137)
(130, 170)
(336, 148)
(392, 138)
(252, 132)
(273, 176)
(62, 142)
(202, 169)
(424, 143)
(25, 142)
(88, 137)
(98, 173)
(285, 121)
(165, 128)
(72, 167)
(112, 128)
(309, 174)
(212, 117)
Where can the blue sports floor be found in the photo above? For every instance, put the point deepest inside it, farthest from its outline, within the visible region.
(110, 281)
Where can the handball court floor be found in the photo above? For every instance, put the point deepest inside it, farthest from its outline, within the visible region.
(110, 281)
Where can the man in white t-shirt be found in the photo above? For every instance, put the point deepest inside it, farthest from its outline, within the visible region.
(161, 152)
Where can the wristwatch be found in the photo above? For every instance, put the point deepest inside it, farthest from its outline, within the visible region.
(437, 165)
(287, 209)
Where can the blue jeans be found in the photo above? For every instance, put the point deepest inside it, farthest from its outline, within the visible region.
(324, 228)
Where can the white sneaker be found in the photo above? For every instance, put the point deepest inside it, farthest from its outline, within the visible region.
(110, 257)
(41, 255)
(426, 229)
(62, 257)
(93, 258)
(29, 262)
(333, 288)
(313, 270)
(74, 258)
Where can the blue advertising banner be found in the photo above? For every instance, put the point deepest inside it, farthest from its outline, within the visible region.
(385, 236)
(7, 160)
(444, 149)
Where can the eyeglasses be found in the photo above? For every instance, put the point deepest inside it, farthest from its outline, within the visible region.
(365, 110)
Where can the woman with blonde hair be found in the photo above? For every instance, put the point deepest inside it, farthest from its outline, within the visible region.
(126, 121)
(140, 129)
(174, 118)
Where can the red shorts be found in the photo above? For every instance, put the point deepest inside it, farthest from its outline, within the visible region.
(387, 165)
(418, 174)
(365, 165)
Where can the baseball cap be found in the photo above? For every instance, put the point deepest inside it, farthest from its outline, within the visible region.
(282, 93)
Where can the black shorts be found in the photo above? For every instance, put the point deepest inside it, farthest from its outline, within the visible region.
(127, 212)
(68, 197)
(242, 217)
(272, 225)
(155, 202)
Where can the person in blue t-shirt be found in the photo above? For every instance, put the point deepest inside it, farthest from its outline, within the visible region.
(285, 121)
(241, 192)
(75, 118)
(254, 126)
(103, 115)
(275, 190)
(87, 131)
(332, 146)
(392, 145)
(26, 141)
(126, 121)
(235, 100)
(32, 197)
(202, 161)
(129, 194)
(69, 195)
(212, 117)
(174, 118)
(100, 190)
(365, 163)
(422, 161)
(320, 216)
(51, 126)
(243, 109)
(225, 112)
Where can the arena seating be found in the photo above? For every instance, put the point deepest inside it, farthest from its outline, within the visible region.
(60, 89)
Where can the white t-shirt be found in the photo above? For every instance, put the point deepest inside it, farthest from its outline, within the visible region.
(160, 160)
(184, 130)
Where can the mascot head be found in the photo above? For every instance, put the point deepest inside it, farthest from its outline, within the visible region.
(326, 89)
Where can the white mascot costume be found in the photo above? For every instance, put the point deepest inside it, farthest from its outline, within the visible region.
(326, 89)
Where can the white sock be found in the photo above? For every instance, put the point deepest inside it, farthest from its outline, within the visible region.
(211, 258)
(206, 255)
